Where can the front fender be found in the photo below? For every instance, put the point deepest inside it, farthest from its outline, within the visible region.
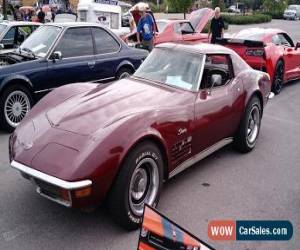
(13, 77)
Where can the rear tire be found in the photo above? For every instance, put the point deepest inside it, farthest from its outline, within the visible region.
(139, 181)
(246, 137)
(124, 72)
(278, 78)
(15, 102)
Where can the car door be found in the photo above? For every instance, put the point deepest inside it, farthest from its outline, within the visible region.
(107, 58)
(216, 116)
(77, 62)
(291, 56)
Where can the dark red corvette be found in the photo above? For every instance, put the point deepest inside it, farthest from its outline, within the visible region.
(269, 50)
(83, 143)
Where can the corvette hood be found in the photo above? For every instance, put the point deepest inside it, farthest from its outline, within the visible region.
(200, 18)
(90, 111)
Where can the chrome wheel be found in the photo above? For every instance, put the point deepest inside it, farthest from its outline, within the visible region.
(144, 185)
(124, 75)
(253, 125)
(16, 106)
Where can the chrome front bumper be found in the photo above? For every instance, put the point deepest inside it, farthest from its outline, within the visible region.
(38, 177)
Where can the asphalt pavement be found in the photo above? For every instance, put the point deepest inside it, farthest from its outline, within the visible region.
(261, 185)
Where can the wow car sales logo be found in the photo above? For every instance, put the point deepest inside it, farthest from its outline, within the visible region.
(250, 230)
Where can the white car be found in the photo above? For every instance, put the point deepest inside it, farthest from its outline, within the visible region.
(292, 12)
(12, 34)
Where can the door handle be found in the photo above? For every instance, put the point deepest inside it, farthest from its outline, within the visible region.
(91, 64)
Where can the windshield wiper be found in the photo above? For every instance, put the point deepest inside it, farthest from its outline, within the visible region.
(29, 51)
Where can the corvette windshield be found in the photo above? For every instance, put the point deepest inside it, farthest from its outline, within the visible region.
(172, 67)
(41, 40)
(2, 28)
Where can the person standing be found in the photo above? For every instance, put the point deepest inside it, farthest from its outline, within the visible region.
(216, 27)
(18, 14)
(145, 30)
(41, 16)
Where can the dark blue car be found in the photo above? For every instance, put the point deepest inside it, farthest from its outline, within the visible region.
(58, 54)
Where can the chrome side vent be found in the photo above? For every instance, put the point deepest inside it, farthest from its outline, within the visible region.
(181, 149)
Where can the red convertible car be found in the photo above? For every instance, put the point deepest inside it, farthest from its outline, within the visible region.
(184, 30)
(269, 50)
(85, 142)
(189, 30)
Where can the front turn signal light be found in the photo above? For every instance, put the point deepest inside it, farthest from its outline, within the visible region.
(83, 192)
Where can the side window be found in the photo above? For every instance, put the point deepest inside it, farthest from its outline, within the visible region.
(8, 39)
(76, 42)
(183, 28)
(217, 66)
(284, 41)
(276, 40)
(104, 42)
(287, 40)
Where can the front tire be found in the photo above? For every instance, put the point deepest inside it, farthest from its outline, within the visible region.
(138, 182)
(278, 78)
(124, 73)
(15, 102)
(246, 137)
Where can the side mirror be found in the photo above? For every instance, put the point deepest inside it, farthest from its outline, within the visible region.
(56, 55)
(216, 80)
(1, 46)
(297, 45)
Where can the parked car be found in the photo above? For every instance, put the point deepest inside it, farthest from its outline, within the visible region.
(84, 143)
(59, 54)
(292, 12)
(181, 30)
(12, 34)
(237, 8)
(270, 50)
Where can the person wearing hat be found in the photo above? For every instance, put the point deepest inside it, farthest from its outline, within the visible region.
(145, 30)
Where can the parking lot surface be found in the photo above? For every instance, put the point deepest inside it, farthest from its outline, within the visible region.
(261, 185)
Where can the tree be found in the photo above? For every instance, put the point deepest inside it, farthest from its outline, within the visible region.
(218, 3)
(180, 5)
(275, 6)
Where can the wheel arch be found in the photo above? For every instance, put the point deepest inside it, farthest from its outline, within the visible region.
(156, 140)
(126, 64)
(22, 80)
(259, 95)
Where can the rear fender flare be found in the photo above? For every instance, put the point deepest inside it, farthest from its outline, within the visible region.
(126, 64)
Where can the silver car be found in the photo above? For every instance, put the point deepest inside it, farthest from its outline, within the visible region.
(292, 12)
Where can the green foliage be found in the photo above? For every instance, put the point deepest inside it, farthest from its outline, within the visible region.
(251, 19)
(218, 3)
(179, 5)
(275, 8)
(154, 8)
